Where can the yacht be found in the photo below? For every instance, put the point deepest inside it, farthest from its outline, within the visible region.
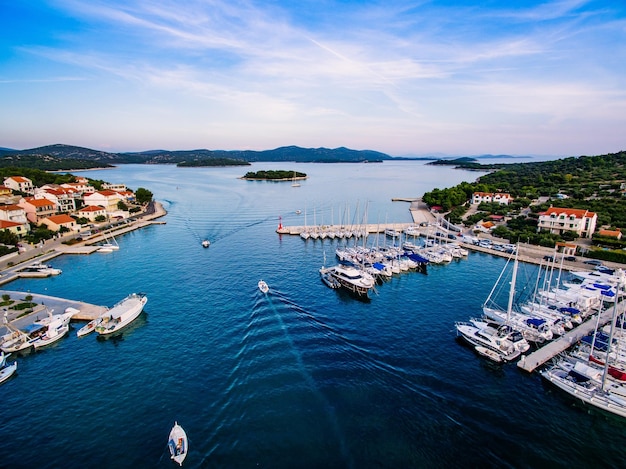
(353, 279)
(122, 314)
(481, 337)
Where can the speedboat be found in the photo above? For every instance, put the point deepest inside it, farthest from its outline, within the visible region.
(206, 243)
(6, 371)
(263, 286)
(178, 444)
(122, 314)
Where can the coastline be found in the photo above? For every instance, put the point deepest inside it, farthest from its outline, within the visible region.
(10, 269)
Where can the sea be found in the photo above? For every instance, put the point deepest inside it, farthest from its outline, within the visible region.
(300, 377)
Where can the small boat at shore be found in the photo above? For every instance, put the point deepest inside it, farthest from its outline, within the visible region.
(178, 444)
(39, 268)
(263, 286)
(122, 314)
(326, 274)
(6, 371)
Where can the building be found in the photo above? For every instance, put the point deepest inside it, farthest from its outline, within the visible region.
(5, 191)
(13, 218)
(501, 198)
(105, 198)
(20, 183)
(91, 212)
(19, 229)
(64, 199)
(56, 222)
(616, 233)
(559, 220)
(37, 209)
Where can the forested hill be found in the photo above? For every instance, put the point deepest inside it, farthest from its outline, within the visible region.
(288, 153)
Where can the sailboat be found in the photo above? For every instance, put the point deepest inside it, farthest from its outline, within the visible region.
(109, 246)
(294, 182)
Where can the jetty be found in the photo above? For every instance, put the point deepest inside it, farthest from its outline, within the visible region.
(552, 349)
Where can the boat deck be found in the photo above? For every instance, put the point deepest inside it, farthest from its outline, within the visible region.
(552, 349)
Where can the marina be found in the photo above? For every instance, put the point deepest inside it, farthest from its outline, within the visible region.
(306, 371)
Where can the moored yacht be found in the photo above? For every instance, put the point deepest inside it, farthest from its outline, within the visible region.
(122, 314)
(353, 279)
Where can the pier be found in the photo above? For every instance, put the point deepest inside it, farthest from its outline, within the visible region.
(552, 349)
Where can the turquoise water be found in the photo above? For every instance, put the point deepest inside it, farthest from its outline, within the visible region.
(302, 377)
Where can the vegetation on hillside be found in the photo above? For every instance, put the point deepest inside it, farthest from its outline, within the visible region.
(587, 182)
(279, 174)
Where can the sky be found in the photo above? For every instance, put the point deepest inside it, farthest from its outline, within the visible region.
(453, 77)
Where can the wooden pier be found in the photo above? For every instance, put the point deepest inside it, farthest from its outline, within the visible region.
(552, 349)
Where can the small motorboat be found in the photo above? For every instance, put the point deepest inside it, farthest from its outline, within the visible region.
(89, 327)
(263, 286)
(488, 353)
(177, 444)
(206, 243)
(6, 371)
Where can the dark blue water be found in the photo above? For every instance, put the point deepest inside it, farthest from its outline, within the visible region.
(303, 377)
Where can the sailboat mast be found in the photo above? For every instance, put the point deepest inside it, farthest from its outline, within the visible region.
(620, 285)
(509, 308)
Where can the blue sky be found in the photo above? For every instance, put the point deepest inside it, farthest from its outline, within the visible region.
(402, 77)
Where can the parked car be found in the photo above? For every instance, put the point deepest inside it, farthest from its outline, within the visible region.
(548, 258)
(570, 258)
(593, 262)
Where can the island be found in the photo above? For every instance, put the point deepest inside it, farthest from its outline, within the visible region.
(274, 175)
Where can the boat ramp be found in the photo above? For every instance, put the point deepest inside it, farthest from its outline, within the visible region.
(552, 349)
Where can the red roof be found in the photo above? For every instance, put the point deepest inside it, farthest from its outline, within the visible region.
(39, 202)
(60, 219)
(11, 207)
(568, 212)
(8, 224)
(91, 208)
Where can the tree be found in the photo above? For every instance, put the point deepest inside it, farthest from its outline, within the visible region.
(122, 206)
(143, 196)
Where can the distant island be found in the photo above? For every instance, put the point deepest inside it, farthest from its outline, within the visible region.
(274, 175)
(68, 157)
(212, 162)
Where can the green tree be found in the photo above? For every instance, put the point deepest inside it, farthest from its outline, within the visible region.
(143, 196)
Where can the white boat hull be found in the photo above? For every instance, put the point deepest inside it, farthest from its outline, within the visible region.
(7, 372)
(122, 314)
(178, 444)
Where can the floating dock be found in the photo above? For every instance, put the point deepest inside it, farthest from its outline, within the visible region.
(552, 349)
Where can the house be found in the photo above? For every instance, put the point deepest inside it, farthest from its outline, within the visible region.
(559, 220)
(616, 233)
(13, 218)
(63, 198)
(4, 191)
(37, 209)
(497, 197)
(104, 198)
(79, 188)
(13, 213)
(114, 187)
(91, 212)
(56, 222)
(19, 183)
(19, 229)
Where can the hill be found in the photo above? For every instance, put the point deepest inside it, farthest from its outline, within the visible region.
(288, 153)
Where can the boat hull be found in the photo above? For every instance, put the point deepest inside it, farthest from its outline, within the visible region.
(122, 314)
(7, 372)
(178, 444)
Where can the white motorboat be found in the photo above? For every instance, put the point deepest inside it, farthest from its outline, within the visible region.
(353, 279)
(478, 337)
(6, 371)
(51, 329)
(206, 243)
(41, 268)
(122, 314)
(90, 326)
(263, 286)
(178, 444)
(488, 353)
